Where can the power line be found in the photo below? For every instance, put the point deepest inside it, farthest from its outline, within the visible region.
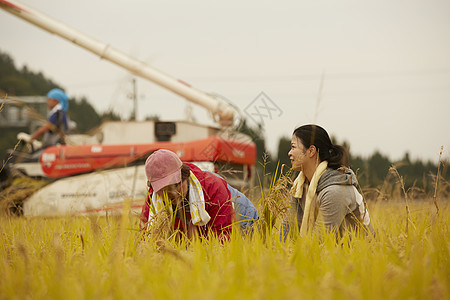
(332, 76)
(295, 77)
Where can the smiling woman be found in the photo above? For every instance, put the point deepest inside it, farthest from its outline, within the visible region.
(325, 194)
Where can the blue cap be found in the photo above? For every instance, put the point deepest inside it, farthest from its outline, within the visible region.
(59, 95)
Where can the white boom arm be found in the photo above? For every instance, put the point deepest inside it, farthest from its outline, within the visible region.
(221, 111)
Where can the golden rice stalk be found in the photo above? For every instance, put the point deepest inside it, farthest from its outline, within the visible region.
(12, 198)
(161, 226)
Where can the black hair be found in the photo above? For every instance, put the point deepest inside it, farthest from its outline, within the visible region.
(185, 172)
(312, 134)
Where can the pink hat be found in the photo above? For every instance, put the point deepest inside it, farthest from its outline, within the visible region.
(163, 168)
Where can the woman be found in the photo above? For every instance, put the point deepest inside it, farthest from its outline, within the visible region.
(325, 192)
(200, 200)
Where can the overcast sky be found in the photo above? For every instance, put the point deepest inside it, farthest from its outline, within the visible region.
(385, 64)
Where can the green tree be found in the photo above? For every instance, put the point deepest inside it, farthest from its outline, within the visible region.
(417, 174)
(284, 146)
(264, 161)
(22, 82)
(378, 168)
(83, 114)
(360, 166)
(110, 116)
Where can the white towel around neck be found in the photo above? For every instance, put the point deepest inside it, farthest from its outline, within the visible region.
(199, 215)
(297, 191)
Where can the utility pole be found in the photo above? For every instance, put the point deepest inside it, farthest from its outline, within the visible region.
(134, 98)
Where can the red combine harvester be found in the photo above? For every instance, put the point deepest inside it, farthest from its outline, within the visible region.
(100, 172)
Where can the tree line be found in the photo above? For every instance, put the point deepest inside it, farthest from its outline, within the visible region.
(373, 172)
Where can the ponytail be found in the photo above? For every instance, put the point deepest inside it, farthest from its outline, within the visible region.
(338, 157)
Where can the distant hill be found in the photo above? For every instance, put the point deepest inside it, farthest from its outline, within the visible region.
(22, 82)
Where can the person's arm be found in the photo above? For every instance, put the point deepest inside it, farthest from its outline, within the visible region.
(54, 123)
(294, 217)
(41, 130)
(219, 207)
(145, 212)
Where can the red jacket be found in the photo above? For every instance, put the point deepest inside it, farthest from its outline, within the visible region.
(217, 203)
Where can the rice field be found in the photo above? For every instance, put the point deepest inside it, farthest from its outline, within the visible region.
(107, 258)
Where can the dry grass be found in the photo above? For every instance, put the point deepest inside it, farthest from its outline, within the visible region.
(107, 257)
(11, 199)
(274, 202)
(437, 180)
(72, 258)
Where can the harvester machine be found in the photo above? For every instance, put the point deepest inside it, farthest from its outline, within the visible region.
(104, 172)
